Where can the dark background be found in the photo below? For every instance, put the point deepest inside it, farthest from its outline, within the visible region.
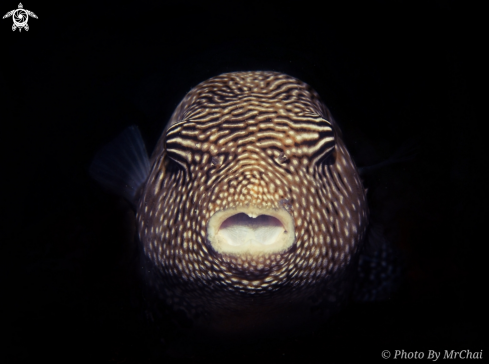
(390, 72)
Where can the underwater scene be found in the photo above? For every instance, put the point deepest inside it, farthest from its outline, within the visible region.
(194, 182)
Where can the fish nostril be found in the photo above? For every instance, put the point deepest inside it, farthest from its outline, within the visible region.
(215, 161)
(282, 158)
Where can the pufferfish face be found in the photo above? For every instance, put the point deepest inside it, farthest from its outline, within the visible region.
(252, 198)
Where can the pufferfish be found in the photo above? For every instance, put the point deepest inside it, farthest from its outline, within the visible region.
(251, 214)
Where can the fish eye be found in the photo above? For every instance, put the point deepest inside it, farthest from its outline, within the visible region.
(176, 157)
(177, 153)
(175, 146)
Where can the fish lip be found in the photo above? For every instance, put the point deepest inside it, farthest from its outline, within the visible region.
(273, 240)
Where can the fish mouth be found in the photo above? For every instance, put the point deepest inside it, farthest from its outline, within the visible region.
(251, 230)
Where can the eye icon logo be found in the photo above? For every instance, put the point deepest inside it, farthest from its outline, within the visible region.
(20, 17)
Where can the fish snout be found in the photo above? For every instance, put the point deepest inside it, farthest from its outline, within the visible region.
(250, 230)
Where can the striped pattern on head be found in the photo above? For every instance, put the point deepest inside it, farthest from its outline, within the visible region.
(250, 143)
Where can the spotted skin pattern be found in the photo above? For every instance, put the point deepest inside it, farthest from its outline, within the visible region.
(261, 139)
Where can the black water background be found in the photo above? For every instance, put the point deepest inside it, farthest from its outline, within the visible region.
(389, 71)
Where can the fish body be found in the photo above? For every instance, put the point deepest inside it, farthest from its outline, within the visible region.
(251, 213)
